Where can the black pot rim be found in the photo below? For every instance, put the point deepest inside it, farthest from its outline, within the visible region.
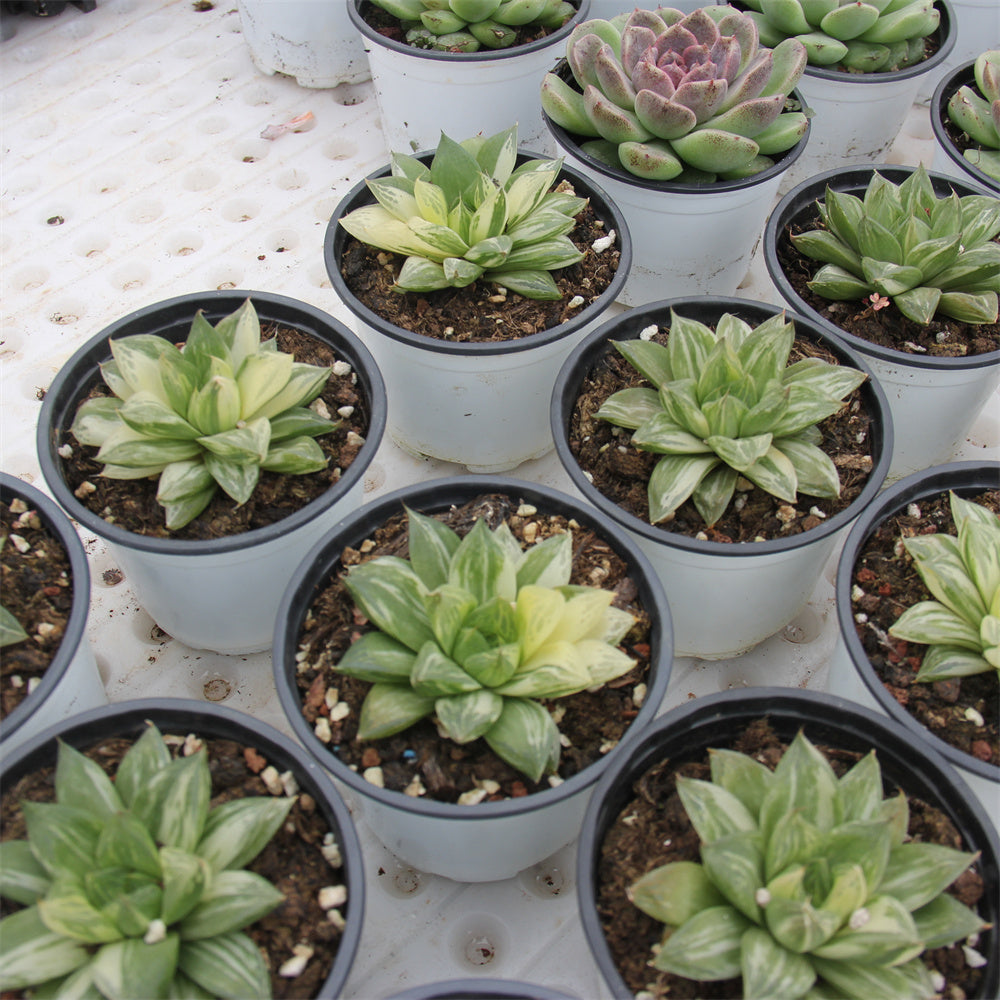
(596, 344)
(947, 30)
(220, 720)
(56, 521)
(853, 180)
(436, 494)
(604, 206)
(963, 477)
(571, 143)
(947, 86)
(478, 988)
(64, 395)
(468, 58)
(932, 780)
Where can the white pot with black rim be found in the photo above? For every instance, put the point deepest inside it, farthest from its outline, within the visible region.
(72, 681)
(424, 92)
(934, 400)
(851, 673)
(687, 238)
(724, 597)
(211, 593)
(948, 158)
(856, 117)
(481, 404)
(489, 840)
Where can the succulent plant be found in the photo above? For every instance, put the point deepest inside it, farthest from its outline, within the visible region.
(807, 886)
(212, 413)
(961, 628)
(862, 36)
(468, 25)
(725, 404)
(474, 630)
(11, 631)
(927, 254)
(472, 214)
(135, 887)
(673, 96)
(978, 114)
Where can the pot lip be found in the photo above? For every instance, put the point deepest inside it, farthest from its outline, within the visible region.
(584, 355)
(947, 86)
(477, 988)
(116, 717)
(947, 30)
(55, 520)
(818, 708)
(466, 58)
(854, 179)
(568, 142)
(436, 494)
(336, 236)
(63, 394)
(961, 476)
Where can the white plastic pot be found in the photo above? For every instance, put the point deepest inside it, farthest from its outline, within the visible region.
(219, 594)
(851, 673)
(977, 28)
(491, 840)
(934, 400)
(72, 682)
(312, 40)
(724, 598)
(481, 405)
(422, 92)
(857, 116)
(948, 158)
(687, 238)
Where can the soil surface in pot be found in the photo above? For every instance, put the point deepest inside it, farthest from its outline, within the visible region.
(36, 587)
(652, 829)
(131, 504)
(385, 24)
(887, 326)
(621, 472)
(481, 312)
(962, 711)
(418, 759)
(293, 861)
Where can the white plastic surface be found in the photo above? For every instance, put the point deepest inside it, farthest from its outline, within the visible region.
(133, 170)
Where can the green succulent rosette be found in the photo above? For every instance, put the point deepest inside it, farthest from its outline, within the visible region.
(977, 113)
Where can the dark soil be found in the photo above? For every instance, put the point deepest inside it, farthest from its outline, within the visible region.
(621, 472)
(652, 829)
(131, 504)
(389, 26)
(482, 311)
(888, 327)
(36, 587)
(591, 722)
(292, 861)
(886, 583)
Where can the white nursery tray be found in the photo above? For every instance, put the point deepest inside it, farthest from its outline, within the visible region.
(134, 170)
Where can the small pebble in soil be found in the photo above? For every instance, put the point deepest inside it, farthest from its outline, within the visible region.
(331, 896)
(296, 965)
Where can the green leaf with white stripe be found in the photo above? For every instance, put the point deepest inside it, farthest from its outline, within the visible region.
(466, 717)
(23, 878)
(444, 239)
(175, 802)
(735, 864)
(28, 945)
(134, 970)
(420, 275)
(526, 737)
(391, 708)
(184, 480)
(556, 670)
(911, 981)
(689, 346)
(237, 831)
(96, 420)
(944, 920)
(377, 657)
(62, 837)
(82, 784)
(775, 473)
(662, 435)
(297, 457)
(917, 872)
(672, 481)
(769, 970)
(479, 565)
(126, 843)
(147, 755)
(185, 878)
(229, 965)
(943, 661)
(630, 408)
(392, 596)
(67, 911)
(397, 195)
(531, 284)
(233, 900)
(435, 675)
(706, 947)
(888, 933)
(713, 811)
(137, 360)
(675, 892)
(547, 563)
(746, 778)
(78, 985)
(932, 623)
(649, 359)
(815, 473)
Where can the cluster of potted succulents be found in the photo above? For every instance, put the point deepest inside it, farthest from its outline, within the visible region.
(479, 660)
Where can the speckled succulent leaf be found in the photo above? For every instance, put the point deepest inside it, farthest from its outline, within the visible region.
(674, 892)
(228, 962)
(706, 946)
(393, 597)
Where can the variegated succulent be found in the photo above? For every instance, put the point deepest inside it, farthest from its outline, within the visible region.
(725, 403)
(212, 413)
(861, 36)
(135, 887)
(472, 214)
(807, 886)
(961, 626)
(473, 631)
(927, 254)
(468, 25)
(673, 96)
(977, 113)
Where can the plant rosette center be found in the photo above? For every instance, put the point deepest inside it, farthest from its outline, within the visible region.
(605, 425)
(548, 737)
(964, 711)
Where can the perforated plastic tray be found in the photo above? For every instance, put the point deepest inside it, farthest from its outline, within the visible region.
(133, 170)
